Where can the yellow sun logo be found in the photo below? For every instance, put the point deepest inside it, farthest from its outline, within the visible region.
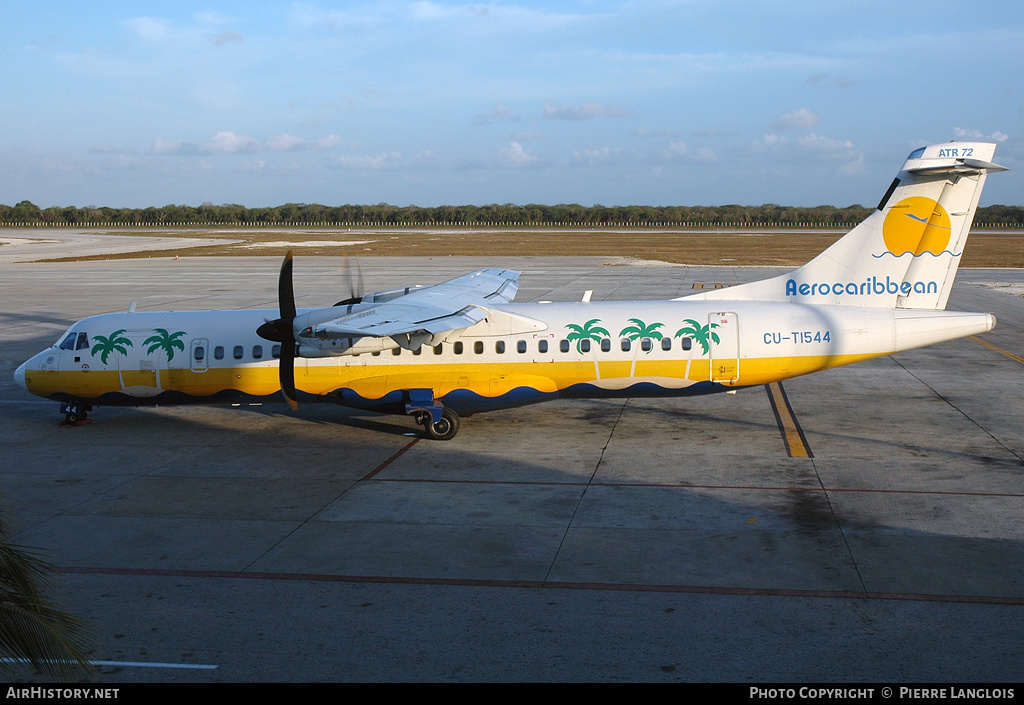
(916, 225)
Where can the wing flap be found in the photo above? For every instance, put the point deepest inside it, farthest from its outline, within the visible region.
(457, 303)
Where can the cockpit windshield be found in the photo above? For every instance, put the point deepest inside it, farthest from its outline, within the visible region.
(75, 340)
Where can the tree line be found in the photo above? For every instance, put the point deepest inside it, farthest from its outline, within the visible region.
(28, 213)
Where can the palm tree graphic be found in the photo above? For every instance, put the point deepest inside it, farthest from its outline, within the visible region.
(639, 329)
(702, 334)
(164, 341)
(586, 332)
(105, 346)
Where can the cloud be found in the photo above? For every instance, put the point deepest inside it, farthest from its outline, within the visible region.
(676, 149)
(813, 149)
(802, 119)
(515, 155)
(645, 131)
(680, 150)
(354, 161)
(823, 80)
(305, 17)
(150, 29)
(996, 136)
(582, 112)
(225, 37)
(501, 113)
(601, 155)
(228, 142)
(716, 132)
(157, 30)
(283, 142)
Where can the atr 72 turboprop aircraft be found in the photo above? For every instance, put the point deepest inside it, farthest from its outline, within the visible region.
(461, 347)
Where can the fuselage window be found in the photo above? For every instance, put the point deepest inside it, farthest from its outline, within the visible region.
(646, 345)
(438, 349)
(275, 352)
(199, 353)
(606, 344)
(687, 343)
(666, 343)
(542, 346)
(499, 347)
(218, 352)
(625, 345)
(563, 346)
(521, 346)
(417, 351)
(458, 348)
(585, 346)
(257, 352)
(238, 352)
(69, 342)
(478, 347)
(83, 342)
(396, 351)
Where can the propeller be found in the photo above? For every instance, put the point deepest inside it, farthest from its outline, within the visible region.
(281, 330)
(351, 279)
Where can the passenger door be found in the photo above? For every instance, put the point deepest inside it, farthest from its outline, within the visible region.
(198, 353)
(725, 354)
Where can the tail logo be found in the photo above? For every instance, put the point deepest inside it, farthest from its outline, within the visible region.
(916, 225)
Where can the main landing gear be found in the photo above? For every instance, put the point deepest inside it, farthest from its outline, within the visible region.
(442, 430)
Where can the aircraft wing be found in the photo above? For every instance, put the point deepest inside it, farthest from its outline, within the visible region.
(457, 303)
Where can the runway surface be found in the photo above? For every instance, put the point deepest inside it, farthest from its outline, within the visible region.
(861, 524)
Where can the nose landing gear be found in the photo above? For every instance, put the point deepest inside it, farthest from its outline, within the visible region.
(75, 414)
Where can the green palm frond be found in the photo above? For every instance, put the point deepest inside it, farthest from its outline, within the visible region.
(165, 341)
(692, 330)
(642, 330)
(34, 630)
(588, 331)
(114, 343)
(702, 334)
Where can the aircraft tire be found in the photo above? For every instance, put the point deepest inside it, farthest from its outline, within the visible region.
(443, 430)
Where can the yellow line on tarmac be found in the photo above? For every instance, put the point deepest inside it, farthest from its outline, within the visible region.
(792, 434)
(990, 346)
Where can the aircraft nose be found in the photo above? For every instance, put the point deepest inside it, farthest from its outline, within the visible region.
(19, 376)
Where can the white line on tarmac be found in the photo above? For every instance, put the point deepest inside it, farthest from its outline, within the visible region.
(138, 664)
(142, 664)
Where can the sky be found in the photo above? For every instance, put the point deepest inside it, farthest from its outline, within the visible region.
(632, 102)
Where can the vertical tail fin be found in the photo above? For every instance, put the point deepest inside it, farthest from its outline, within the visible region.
(906, 253)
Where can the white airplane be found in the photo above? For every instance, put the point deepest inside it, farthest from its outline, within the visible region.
(462, 347)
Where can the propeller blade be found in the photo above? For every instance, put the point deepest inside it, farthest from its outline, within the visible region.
(283, 328)
(351, 280)
(285, 292)
(353, 272)
(287, 374)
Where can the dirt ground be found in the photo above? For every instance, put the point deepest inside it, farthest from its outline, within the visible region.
(778, 247)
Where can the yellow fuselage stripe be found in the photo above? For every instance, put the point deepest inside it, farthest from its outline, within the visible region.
(373, 381)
